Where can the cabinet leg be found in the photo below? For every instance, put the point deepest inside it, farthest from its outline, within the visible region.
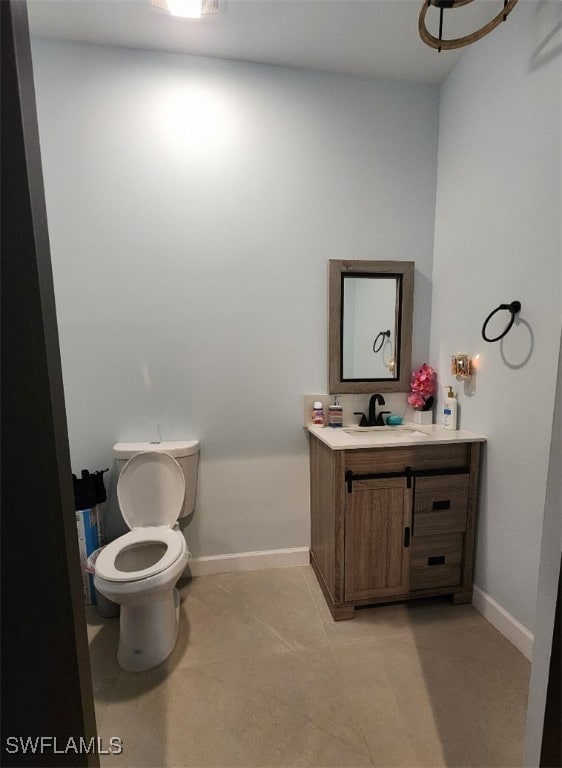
(342, 612)
(461, 598)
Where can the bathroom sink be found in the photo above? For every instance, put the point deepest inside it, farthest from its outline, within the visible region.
(371, 432)
(370, 436)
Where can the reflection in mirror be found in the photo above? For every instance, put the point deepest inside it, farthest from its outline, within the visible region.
(370, 327)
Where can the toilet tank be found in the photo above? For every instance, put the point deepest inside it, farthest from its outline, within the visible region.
(185, 452)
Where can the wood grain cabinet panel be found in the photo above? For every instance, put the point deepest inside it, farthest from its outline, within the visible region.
(397, 459)
(376, 517)
(441, 504)
(393, 523)
(436, 561)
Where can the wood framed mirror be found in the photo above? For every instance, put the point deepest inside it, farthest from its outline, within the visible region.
(370, 326)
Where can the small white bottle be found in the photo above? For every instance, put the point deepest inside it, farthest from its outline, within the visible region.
(318, 414)
(450, 410)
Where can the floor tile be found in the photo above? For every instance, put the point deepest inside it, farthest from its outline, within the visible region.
(392, 619)
(242, 615)
(139, 714)
(103, 692)
(283, 710)
(262, 676)
(438, 697)
(103, 636)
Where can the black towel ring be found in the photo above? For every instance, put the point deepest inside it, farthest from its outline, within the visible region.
(382, 335)
(514, 308)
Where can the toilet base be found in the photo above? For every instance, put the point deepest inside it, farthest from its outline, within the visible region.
(148, 632)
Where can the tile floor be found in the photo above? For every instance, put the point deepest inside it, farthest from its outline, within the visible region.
(261, 676)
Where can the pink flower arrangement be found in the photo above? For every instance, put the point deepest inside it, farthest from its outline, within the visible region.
(423, 385)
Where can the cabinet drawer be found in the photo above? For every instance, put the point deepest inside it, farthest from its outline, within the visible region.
(419, 457)
(436, 561)
(440, 504)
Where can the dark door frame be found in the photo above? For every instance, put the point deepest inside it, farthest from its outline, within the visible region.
(46, 685)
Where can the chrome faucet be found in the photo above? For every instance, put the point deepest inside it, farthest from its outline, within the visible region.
(375, 419)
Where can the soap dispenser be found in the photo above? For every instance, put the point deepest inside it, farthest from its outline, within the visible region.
(450, 410)
(335, 414)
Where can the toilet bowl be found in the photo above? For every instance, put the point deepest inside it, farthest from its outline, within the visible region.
(139, 570)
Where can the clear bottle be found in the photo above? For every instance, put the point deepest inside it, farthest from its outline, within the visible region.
(335, 414)
(318, 414)
(450, 410)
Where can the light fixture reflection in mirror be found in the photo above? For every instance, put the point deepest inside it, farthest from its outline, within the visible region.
(389, 362)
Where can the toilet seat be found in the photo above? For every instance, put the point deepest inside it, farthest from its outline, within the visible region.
(151, 490)
(172, 539)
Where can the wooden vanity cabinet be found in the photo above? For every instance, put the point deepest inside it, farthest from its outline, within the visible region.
(392, 524)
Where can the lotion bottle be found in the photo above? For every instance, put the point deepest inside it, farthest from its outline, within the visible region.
(450, 410)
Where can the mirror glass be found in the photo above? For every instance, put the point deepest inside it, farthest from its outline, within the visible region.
(370, 326)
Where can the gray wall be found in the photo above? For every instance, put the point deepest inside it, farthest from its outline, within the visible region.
(193, 205)
(497, 238)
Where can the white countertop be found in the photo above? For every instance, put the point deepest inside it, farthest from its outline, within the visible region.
(338, 439)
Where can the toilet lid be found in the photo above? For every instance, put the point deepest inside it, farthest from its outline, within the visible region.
(151, 490)
(173, 544)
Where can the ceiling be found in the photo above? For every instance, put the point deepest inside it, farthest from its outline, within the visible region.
(376, 38)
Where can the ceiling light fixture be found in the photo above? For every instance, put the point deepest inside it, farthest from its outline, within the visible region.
(458, 42)
(187, 9)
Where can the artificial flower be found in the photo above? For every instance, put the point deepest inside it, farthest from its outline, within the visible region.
(422, 386)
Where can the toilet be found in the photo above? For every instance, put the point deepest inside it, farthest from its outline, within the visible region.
(139, 570)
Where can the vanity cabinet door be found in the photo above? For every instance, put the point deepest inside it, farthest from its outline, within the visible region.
(377, 538)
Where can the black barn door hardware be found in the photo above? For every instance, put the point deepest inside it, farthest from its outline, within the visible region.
(409, 473)
(351, 478)
(407, 536)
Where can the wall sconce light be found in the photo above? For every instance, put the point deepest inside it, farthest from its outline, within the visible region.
(187, 9)
(464, 368)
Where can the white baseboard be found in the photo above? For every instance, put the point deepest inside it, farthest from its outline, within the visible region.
(513, 630)
(247, 561)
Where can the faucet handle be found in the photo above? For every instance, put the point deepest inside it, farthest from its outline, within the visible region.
(380, 416)
(364, 421)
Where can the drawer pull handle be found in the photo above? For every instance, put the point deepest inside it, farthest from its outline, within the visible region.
(436, 560)
(407, 536)
(446, 504)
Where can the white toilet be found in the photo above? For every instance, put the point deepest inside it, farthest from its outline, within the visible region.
(139, 570)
